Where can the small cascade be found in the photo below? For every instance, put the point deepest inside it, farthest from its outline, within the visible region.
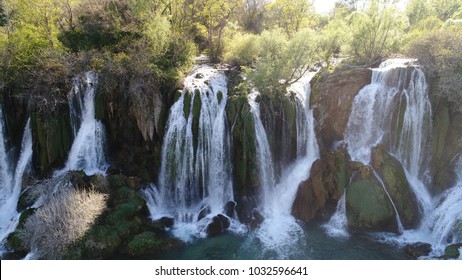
(398, 218)
(87, 151)
(306, 136)
(445, 221)
(6, 178)
(265, 168)
(338, 223)
(196, 165)
(280, 232)
(10, 193)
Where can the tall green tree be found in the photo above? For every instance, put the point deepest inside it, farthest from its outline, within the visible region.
(290, 15)
(377, 31)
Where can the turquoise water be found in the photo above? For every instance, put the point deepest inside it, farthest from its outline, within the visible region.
(316, 245)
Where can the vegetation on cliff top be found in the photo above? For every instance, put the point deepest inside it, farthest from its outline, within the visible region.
(43, 42)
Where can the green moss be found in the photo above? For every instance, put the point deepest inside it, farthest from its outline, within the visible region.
(144, 244)
(125, 211)
(452, 251)
(368, 206)
(187, 104)
(100, 106)
(14, 241)
(53, 141)
(219, 96)
(440, 129)
(196, 110)
(395, 180)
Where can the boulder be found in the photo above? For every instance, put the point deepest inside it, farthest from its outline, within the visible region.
(394, 178)
(219, 224)
(452, 251)
(367, 204)
(328, 178)
(205, 210)
(417, 250)
(230, 207)
(257, 219)
(166, 222)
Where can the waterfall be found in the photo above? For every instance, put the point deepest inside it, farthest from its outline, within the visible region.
(10, 193)
(87, 151)
(445, 221)
(394, 110)
(196, 164)
(265, 162)
(338, 223)
(280, 232)
(398, 218)
(6, 177)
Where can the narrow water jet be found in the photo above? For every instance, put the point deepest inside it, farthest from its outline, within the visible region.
(9, 216)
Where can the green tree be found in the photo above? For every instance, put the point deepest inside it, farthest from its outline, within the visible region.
(282, 61)
(418, 10)
(332, 39)
(242, 49)
(376, 32)
(446, 9)
(290, 15)
(253, 15)
(440, 52)
(209, 19)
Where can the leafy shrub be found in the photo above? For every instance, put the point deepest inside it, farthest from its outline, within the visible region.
(440, 52)
(242, 50)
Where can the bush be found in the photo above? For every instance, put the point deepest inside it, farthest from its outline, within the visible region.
(440, 52)
(283, 61)
(242, 50)
(67, 216)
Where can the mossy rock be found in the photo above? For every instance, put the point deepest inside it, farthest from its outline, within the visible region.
(219, 96)
(143, 244)
(53, 143)
(196, 111)
(101, 242)
(452, 251)
(117, 181)
(395, 180)
(14, 242)
(368, 206)
(187, 104)
(125, 211)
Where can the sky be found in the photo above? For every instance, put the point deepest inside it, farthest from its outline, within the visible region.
(323, 6)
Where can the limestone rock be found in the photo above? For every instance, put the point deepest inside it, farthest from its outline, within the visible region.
(368, 206)
(394, 178)
(416, 250)
(332, 100)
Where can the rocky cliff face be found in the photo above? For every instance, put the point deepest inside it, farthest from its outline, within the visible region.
(332, 98)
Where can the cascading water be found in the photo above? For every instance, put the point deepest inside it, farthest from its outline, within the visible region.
(10, 193)
(196, 165)
(395, 110)
(444, 223)
(279, 232)
(338, 223)
(87, 151)
(399, 89)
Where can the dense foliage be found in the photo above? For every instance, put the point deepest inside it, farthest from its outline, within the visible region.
(274, 41)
